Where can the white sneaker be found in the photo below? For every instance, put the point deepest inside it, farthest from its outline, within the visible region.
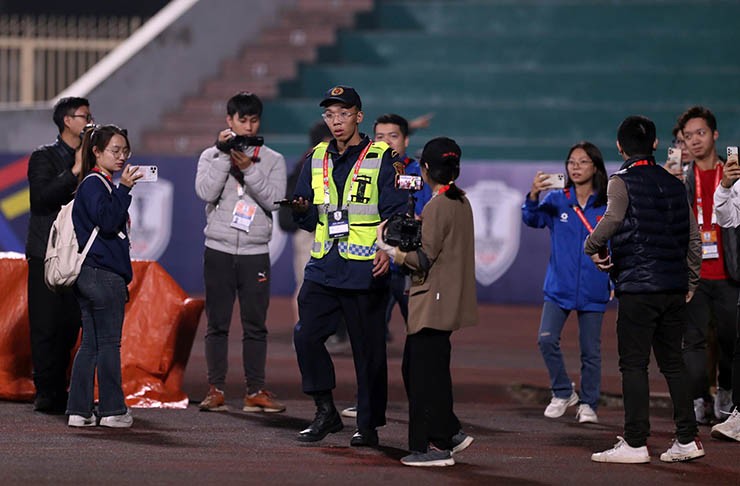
(118, 421)
(558, 406)
(701, 411)
(622, 453)
(80, 421)
(586, 415)
(350, 412)
(729, 429)
(683, 452)
(722, 403)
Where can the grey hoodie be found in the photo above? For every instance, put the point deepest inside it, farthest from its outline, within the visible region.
(264, 182)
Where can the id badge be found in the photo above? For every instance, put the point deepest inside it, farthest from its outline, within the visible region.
(243, 215)
(709, 247)
(339, 224)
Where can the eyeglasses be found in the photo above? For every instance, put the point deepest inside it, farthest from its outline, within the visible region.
(342, 116)
(88, 118)
(687, 136)
(117, 153)
(578, 163)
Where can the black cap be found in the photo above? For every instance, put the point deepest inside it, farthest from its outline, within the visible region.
(442, 157)
(342, 94)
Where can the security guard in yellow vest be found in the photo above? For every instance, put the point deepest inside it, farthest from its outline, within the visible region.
(345, 190)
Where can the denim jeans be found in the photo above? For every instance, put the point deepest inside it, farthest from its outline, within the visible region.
(102, 297)
(589, 336)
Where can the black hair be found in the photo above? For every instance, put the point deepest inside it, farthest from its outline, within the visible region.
(67, 107)
(698, 111)
(98, 136)
(636, 135)
(244, 103)
(318, 133)
(441, 157)
(403, 125)
(600, 179)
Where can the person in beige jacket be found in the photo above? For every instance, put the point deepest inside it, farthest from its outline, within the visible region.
(442, 299)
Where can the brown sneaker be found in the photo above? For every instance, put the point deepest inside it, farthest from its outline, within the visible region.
(214, 401)
(262, 401)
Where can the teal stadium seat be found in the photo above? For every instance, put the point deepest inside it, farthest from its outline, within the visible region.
(526, 79)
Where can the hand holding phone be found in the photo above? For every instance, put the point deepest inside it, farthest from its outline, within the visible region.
(554, 181)
(148, 173)
(731, 170)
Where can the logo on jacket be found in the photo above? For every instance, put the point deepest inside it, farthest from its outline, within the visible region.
(497, 216)
(563, 217)
(151, 219)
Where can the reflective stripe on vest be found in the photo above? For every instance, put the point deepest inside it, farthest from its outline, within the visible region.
(364, 216)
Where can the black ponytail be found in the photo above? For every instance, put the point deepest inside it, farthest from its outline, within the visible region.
(442, 158)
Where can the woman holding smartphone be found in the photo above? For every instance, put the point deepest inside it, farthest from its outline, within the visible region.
(441, 300)
(101, 287)
(572, 282)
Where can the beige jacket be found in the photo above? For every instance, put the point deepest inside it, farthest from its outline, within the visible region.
(446, 300)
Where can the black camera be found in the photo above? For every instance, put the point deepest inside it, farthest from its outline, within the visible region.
(240, 143)
(403, 231)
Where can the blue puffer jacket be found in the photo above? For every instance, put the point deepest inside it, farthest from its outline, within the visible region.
(572, 280)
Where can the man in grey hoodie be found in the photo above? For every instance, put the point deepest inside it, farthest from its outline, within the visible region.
(239, 179)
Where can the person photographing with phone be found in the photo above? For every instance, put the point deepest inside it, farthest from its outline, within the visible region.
(101, 287)
(572, 282)
(239, 178)
(727, 207)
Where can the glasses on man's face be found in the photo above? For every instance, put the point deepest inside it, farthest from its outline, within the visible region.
(342, 116)
(88, 117)
(687, 136)
(118, 153)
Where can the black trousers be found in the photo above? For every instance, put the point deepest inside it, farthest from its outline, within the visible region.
(654, 321)
(227, 276)
(714, 301)
(55, 322)
(426, 376)
(320, 308)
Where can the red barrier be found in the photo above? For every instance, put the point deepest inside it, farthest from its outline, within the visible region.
(158, 334)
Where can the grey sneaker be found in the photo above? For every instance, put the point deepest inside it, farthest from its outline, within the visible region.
(460, 442)
(683, 452)
(729, 429)
(586, 414)
(118, 421)
(350, 412)
(433, 457)
(702, 411)
(80, 421)
(722, 404)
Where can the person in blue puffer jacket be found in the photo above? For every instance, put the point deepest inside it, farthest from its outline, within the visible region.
(572, 283)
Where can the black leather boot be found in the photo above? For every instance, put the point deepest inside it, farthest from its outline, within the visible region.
(327, 420)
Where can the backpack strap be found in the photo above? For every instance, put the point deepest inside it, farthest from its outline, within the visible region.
(95, 230)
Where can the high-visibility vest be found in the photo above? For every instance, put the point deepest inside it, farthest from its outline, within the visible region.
(362, 208)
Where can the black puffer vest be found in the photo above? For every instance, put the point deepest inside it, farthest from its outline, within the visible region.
(649, 249)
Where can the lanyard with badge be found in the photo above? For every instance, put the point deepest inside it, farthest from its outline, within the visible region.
(339, 219)
(709, 244)
(243, 211)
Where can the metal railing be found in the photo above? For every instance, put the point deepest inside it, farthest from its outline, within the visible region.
(40, 56)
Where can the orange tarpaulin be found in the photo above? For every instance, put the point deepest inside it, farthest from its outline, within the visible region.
(158, 332)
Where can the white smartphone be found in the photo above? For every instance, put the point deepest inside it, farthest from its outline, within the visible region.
(732, 155)
(674, 156)
(149, 173)
(556, 181)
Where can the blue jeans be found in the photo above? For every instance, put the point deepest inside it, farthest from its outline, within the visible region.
(102, 297)
(589, 335)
